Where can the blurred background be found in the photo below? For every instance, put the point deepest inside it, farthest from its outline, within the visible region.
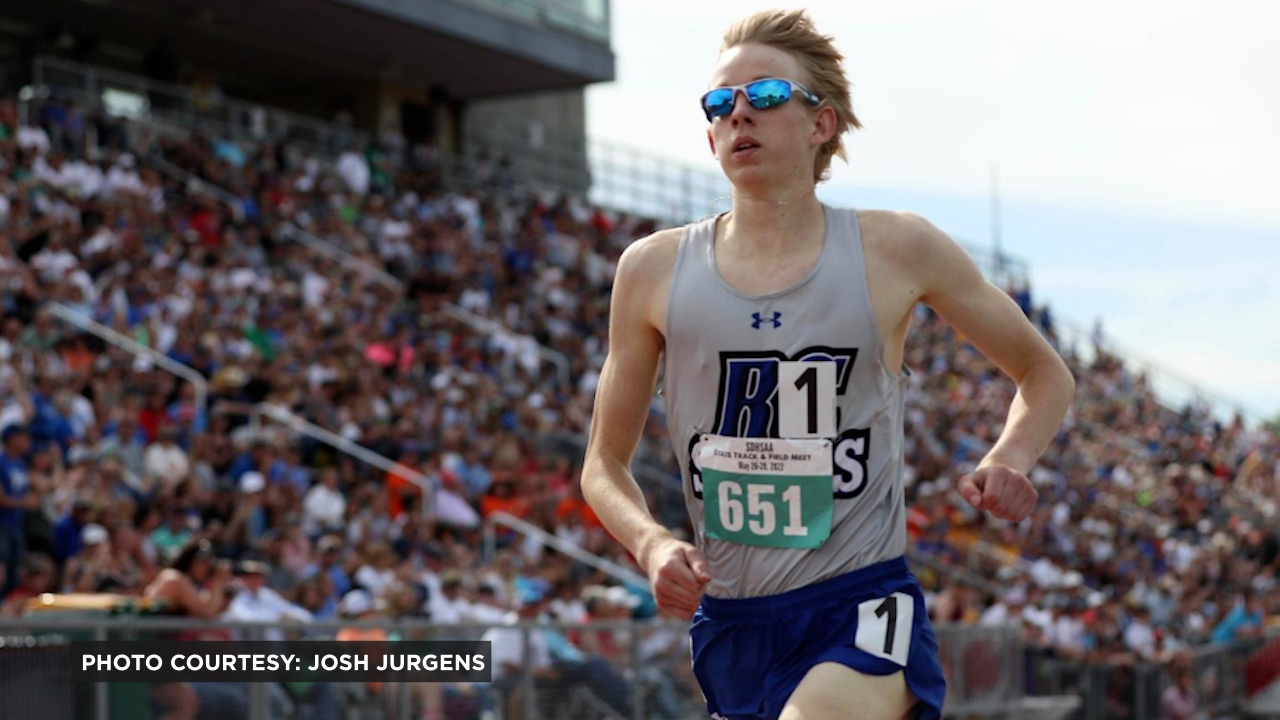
(305, 304)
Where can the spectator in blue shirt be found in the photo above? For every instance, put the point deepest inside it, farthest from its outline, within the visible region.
(328, 552)
(66, 532)
(15, 501)
(1245, 620)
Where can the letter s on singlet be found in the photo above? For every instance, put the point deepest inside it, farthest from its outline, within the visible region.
(850, 459)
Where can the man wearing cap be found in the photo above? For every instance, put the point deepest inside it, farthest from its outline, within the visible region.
(449, 607)
(96, 569)
(15, 501)
(255, 602)
(508, 656)
(328, 552)
(252, 487)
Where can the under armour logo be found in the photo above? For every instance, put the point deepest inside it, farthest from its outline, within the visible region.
(776, 320)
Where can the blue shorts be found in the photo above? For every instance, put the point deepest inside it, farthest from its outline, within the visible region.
(750, 655)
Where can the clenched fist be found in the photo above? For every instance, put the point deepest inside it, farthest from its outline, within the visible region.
(679, 574)
(999, 490)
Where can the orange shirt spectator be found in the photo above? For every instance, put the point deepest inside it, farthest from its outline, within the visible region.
(399, 485)
(502, 498)
(576, 506)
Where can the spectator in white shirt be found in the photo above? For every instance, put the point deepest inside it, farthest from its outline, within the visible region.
(164, 460)
(1067, 634)
(1139, 636)
(324, 507)
(449, 607)
(487, 607)
(380, 572)
(53, 262)
(354, 169)
(33, 138)
(508, 648)
(122, 178)
(255, 602)
(1006, 612)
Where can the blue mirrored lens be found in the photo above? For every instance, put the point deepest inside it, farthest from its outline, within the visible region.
(718, 102)
(768, 93)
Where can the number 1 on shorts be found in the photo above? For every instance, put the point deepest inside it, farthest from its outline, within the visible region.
(884, 627)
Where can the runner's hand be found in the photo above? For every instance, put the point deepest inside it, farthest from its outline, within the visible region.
(999, 490)
(679, 574)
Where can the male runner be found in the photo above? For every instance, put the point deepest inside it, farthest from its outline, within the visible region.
(781, 324)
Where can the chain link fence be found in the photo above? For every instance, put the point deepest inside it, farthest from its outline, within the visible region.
(1215, 678)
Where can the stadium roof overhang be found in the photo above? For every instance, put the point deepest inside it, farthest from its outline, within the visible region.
(467, 51)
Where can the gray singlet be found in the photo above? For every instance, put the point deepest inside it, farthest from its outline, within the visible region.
(723, 352)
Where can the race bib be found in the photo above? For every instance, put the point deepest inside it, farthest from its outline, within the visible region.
(767, 492)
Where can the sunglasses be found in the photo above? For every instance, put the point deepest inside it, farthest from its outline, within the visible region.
(762, 94)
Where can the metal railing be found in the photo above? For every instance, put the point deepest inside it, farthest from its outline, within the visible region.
(644, 672)
(359, 452)
(197, 185)
(355, 264)
(164, 362)
(490, 327)
(610, 174)
(1134, 690)
(136, 96)
(565, 547)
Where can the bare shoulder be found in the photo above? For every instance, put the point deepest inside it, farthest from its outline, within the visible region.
(910, 248)
(897, 233)
(651, 257)
(644, 279)
(166, 582)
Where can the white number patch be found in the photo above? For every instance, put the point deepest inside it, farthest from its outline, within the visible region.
(807, 399)
(884, 627)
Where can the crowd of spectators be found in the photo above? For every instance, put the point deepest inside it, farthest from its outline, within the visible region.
(1154, 533)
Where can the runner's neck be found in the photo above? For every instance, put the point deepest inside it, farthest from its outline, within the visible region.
(771, 227)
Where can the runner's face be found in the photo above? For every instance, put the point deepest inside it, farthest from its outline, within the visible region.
(785, 136)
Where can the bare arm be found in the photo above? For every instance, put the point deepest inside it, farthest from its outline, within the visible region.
(176, 588)
(626, 387)
(677, 570)
(953, 286)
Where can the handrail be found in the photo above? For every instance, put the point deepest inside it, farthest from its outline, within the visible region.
(492, 327)
(564, 546)
(300, 425)
(89, 325)
(337, 254)
(197, 184)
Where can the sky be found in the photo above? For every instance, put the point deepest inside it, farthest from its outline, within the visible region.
(1136, 144)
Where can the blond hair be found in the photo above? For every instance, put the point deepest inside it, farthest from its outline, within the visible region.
(793, 31)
